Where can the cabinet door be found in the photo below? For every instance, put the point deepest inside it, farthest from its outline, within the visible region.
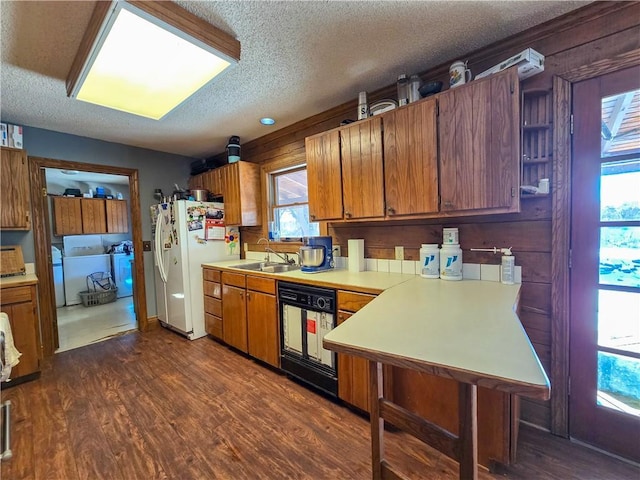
(67, 213)
(353, 376)
(94, 216)
(117, 216)
(232, 206)
(411, 159)
(24, 328)
(362, 170)
(234, 317)
(263, 331)
(324, 178)
(479, 145)
(14, 190)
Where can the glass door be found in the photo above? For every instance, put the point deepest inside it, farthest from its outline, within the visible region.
(605, 264)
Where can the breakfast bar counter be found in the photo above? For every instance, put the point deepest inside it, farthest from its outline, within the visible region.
(467, 331)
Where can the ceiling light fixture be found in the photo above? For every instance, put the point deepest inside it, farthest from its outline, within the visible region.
(267, 121)
(147, 57)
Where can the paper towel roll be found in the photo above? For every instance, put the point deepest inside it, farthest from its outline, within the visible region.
(356, 255)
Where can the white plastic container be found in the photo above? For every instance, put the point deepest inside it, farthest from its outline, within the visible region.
(451, 262)
(429, 260)
(507, 269)
(450, 236)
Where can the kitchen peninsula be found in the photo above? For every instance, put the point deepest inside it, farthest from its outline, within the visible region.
(467, 331)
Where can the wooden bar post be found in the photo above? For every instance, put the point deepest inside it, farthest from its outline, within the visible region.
(377, 423)
(468, 431)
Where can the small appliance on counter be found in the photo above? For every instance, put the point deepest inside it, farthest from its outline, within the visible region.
(316, 254)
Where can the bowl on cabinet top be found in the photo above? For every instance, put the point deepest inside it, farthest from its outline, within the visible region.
(430, 88)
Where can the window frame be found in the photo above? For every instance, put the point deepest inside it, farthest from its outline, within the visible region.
(271, 174)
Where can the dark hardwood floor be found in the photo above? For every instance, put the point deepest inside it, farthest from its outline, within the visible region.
(155, 405)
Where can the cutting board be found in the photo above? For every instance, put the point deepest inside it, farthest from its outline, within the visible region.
(11, 261)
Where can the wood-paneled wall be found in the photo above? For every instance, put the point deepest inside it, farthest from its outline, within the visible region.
(574, 42)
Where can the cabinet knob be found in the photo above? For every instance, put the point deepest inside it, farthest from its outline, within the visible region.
(248, 296)
(312, 216)
(391, 211)
(448, 204)
(347, 214)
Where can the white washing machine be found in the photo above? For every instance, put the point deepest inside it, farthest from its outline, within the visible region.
(83, 255)
(122, 273)
(58, 275)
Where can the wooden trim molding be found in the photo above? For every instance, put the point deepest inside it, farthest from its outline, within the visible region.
(42, 244)
(560, 234)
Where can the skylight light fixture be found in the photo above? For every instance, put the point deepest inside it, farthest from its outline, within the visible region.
(147, 57)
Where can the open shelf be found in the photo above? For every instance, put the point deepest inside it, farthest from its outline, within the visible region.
(536, 137)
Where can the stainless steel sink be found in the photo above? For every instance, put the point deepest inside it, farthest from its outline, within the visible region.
(267, 267)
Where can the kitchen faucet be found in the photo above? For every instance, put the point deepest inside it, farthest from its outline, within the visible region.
(283, 256)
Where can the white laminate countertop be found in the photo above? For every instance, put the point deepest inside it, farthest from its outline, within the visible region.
(372, 282)
(466, 330)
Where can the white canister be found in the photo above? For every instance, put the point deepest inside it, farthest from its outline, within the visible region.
(451, 262)
(459, 74)
(429, 260)
(450, 236)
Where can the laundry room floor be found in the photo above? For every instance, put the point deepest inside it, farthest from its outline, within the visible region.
(79, 325)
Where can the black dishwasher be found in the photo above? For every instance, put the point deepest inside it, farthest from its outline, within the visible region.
(307, 314)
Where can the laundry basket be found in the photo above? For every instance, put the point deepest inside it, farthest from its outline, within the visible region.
(100, 290)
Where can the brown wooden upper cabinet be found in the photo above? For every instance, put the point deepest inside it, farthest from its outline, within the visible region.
(239, 186)
(411, 159)
(14, 190)
(345, 172)
(117, 216)
(324, 177)
(76, 216)
(94, 215)
(480, 145)
(456, 153)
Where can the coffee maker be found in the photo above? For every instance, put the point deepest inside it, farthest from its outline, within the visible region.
(316, 254)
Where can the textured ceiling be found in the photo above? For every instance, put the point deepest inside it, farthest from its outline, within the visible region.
(299, 58)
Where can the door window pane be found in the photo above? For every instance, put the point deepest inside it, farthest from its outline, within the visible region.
(620, 191)
(620, 121)
(620, 256)
(619, 320)
(619, 383)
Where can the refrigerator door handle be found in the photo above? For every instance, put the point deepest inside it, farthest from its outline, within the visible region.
(158, 251)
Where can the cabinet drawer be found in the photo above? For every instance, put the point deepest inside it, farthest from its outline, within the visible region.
(211, 275)
(212, 289)
(16, 295)
(261, 284)
(213, 325)
(213, 306)
(235, 279)
(351, 301)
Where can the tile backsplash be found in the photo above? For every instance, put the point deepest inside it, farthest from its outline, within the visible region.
(470, 271)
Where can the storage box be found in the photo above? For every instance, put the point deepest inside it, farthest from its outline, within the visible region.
(14, 135)
(4, 135)
(529, 63)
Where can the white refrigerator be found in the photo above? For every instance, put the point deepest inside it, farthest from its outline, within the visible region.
(186, 235)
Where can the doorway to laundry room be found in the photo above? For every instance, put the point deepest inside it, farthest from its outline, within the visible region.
(92, 255)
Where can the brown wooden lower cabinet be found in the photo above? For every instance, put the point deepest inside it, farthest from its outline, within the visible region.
(353, 372)
(213, 303)
(20, 304)
(263, 328)
(436, 399)
(234, 311)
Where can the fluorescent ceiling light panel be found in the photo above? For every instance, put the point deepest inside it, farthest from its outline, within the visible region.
(142, 65)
